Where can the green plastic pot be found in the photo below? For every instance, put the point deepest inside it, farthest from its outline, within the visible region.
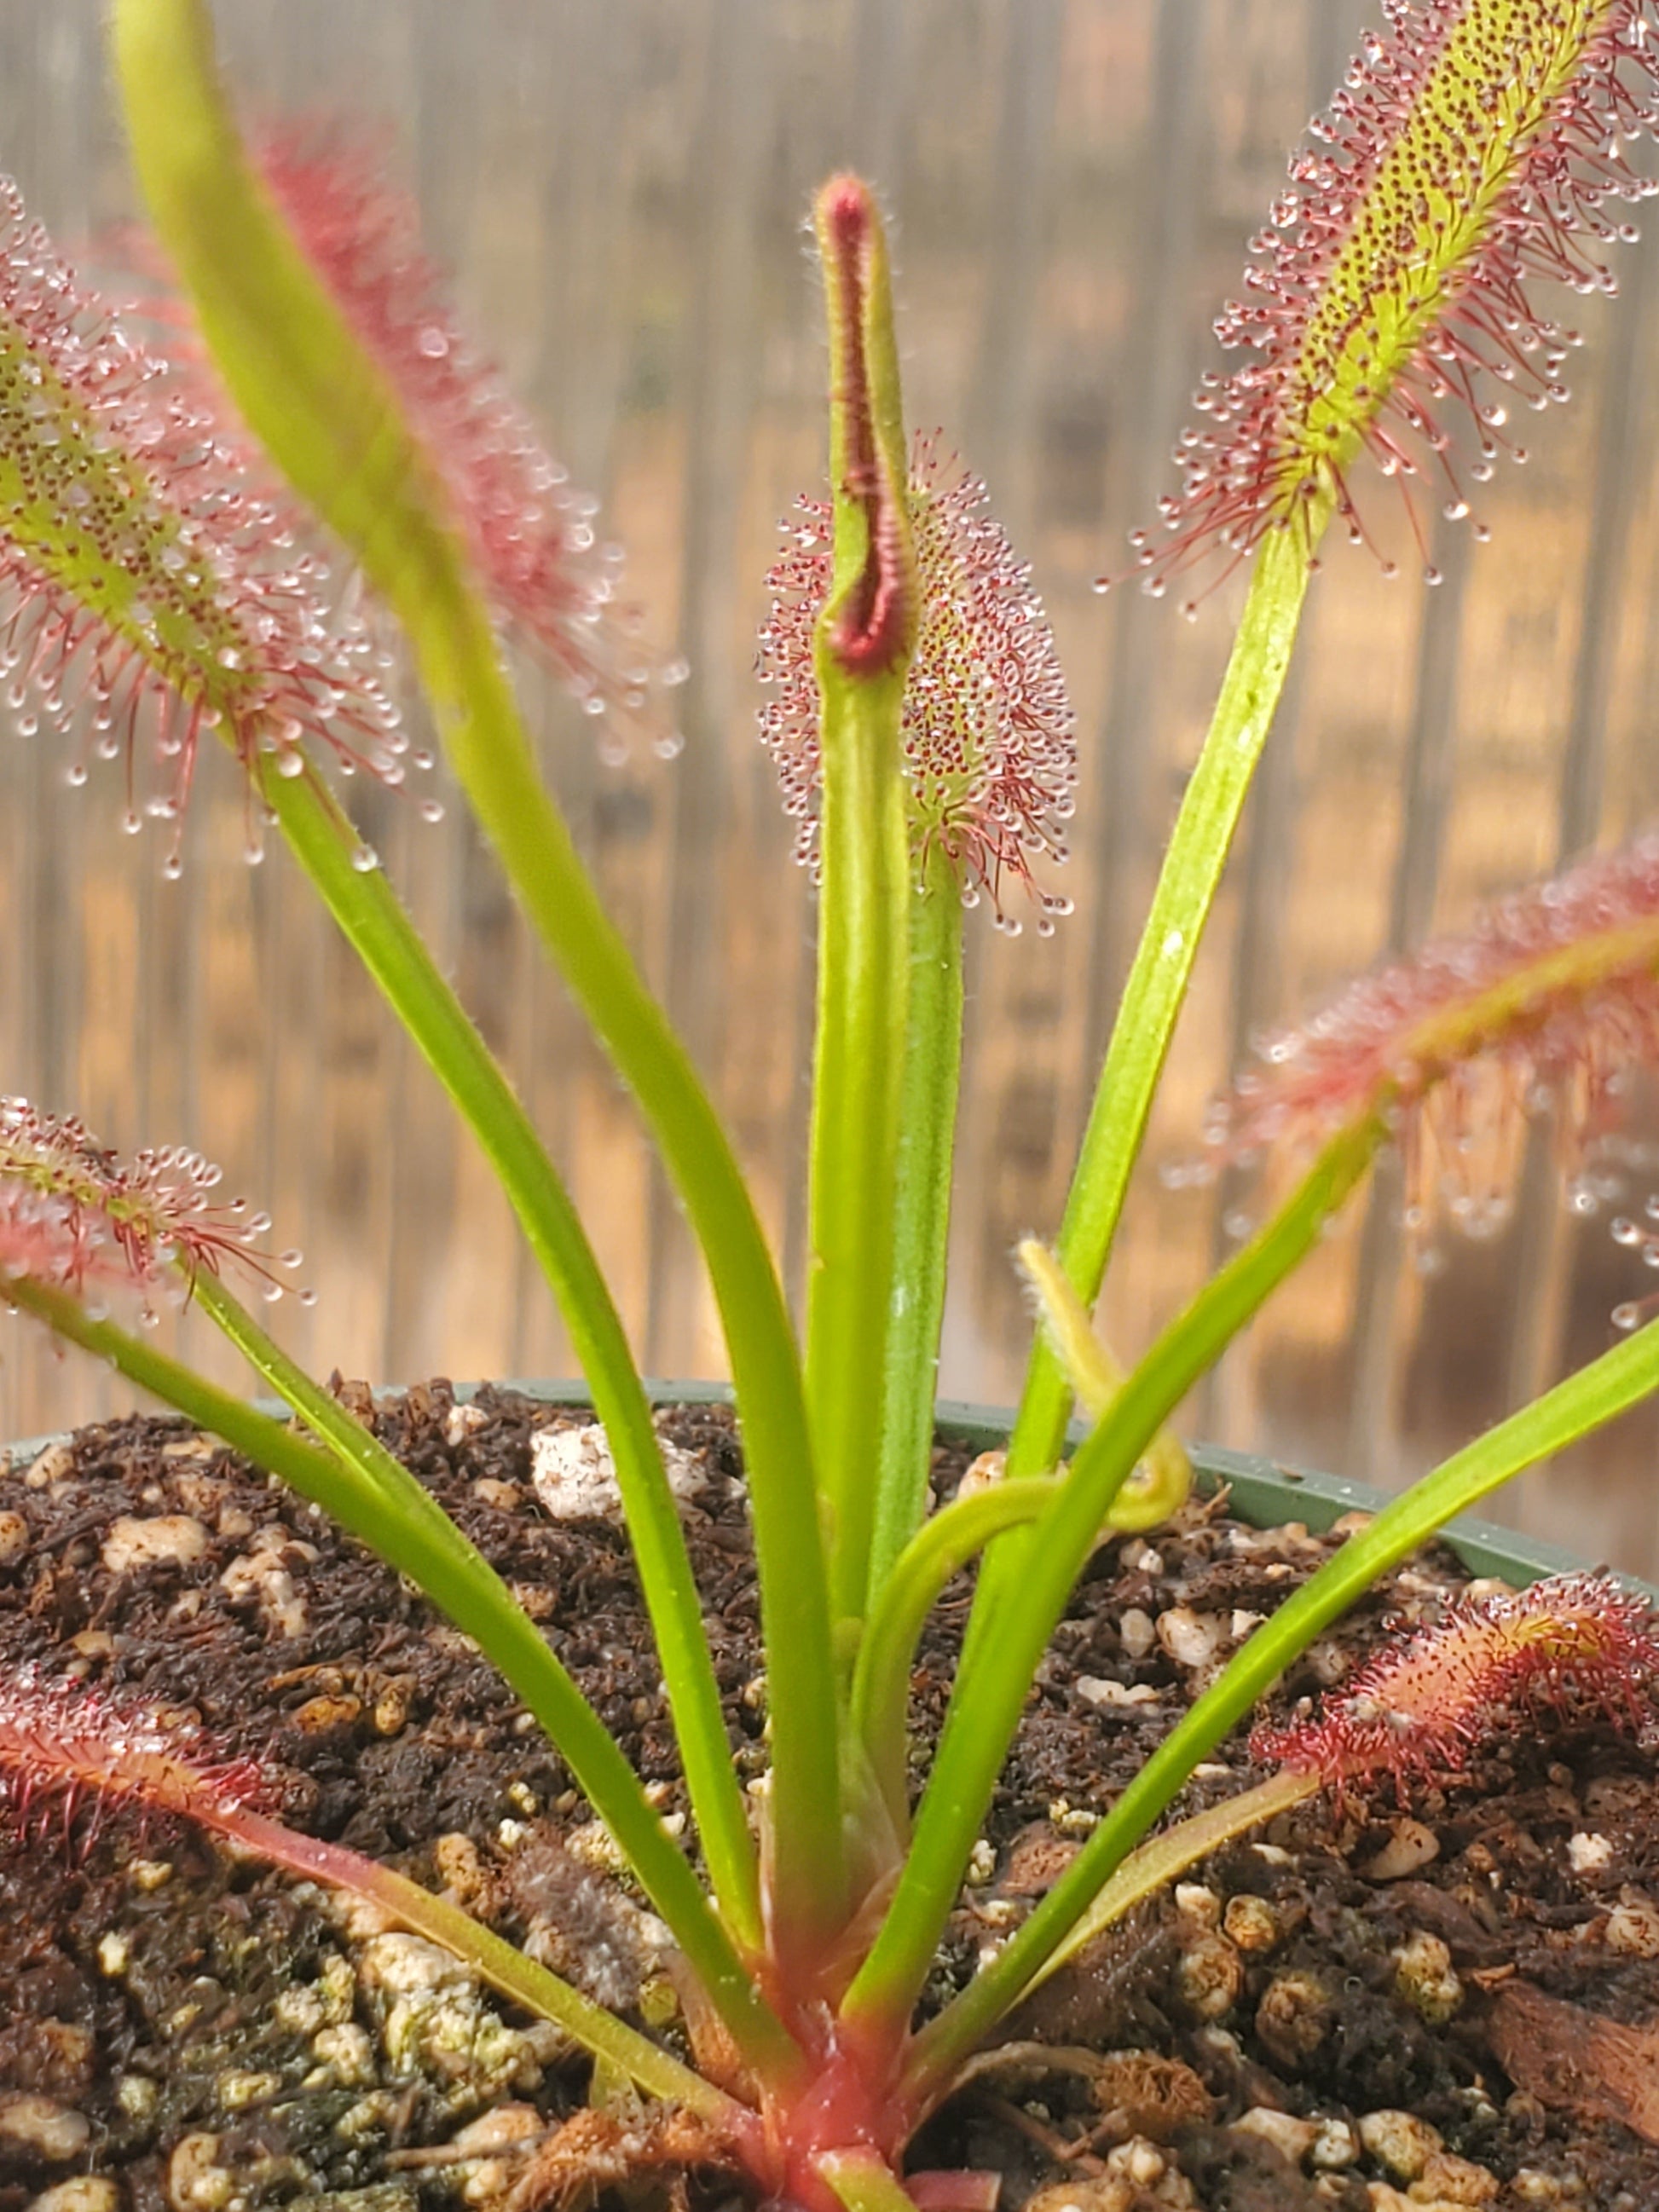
(1263, 1492)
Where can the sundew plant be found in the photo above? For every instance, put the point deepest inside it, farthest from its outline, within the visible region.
(166, 527)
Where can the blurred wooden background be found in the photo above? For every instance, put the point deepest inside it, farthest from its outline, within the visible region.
(620, 186)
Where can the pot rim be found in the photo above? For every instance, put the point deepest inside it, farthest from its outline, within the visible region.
(1264, 1491)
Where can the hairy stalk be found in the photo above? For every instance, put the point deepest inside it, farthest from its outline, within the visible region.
(865, 638)
(1157, 988)
(922, 1228)
(330, 419)
(1014, 1621)
(338, 1429)
(858, 1062)
(460, 1581)
(373, 922)
(1584, 1402)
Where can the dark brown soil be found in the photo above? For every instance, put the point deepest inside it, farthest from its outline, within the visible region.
(212, 2037)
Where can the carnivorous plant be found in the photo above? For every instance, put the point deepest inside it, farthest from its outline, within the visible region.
(154, 515)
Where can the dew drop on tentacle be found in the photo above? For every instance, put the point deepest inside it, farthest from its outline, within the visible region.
(1395, 273)
(987, 728)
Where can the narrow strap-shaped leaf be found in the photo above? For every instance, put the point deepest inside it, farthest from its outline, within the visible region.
(1585, 1401)
(957, 1532)
(1157, 986)
(540, 1991)
(863, 645)
(459, 1580)
(371, 917)
(331, 421)
(921, 1225)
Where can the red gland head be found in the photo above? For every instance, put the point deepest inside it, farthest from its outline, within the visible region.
(988, 731)
(1475, 147)
(1418, 1708)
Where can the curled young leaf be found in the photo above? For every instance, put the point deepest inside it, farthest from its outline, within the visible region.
(988, 731)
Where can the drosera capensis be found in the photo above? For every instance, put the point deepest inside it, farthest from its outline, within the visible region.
(920, 720)
(1415, 1710)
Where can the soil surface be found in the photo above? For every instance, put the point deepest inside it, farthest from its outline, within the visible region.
(1452, 2002)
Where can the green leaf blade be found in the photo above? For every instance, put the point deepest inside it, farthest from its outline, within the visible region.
(331, 421)
(1597, 1394)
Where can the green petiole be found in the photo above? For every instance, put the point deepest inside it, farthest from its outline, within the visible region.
(369, 1495)
(329, 418)
(1584, 1402)
(921, 1227)
(881, 1681)
(1157, 986)
(1012, 1622)
(372, 919)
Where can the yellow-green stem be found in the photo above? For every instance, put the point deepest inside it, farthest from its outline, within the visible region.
(1157, 986)
(411, 1536)
(921, 1227)
(328, 416)
(1160, 1485)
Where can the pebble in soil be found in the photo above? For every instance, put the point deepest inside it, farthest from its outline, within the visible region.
(1308, 2023)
